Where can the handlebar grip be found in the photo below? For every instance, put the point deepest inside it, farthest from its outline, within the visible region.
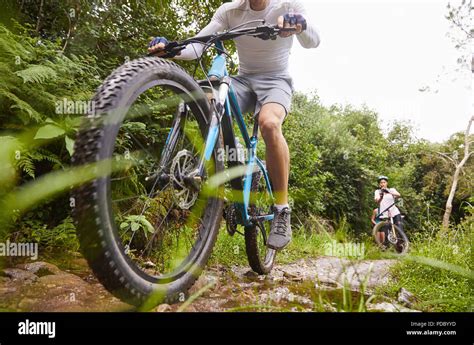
(287, 29)
(171, 50)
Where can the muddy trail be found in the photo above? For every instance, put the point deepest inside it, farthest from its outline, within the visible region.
(314, 284)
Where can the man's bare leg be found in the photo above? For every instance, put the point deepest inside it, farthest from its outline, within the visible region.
(277, 154)
(278, 163)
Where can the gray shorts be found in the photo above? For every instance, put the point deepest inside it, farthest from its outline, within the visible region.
(253, 91)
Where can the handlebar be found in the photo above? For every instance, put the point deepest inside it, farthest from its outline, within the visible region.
(388, 208)
(264, 32)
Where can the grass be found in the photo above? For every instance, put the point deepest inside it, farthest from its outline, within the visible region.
(437, 270)
(439, 288)
(229, 251)
(303, 245)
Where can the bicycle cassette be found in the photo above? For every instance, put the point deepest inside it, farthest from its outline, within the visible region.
(230, 216)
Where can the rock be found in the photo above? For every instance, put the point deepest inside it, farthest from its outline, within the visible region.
(40, 268)
(63, 279)
(389, 307)
(6, 290)
(251, 274)
(79, 263)
(328, 286)
(406, 298)
(288, 287)
(278, 294)
(17, 274)
(54, 290)
(149, 264)
(26, 303)
(163, 308)
(4, 280)
(203, 281)
(293, 276)
(190, 309)
(329, 307)
(299, 299)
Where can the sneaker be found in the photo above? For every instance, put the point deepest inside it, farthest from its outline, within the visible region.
(280, 233)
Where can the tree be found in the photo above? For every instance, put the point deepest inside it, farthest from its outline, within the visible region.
(460, 16)
(458, 167)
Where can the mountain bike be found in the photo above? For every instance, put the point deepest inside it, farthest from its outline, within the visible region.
(394, 235)
(148, 226)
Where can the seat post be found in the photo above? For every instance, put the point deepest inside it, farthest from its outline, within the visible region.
(255, 127)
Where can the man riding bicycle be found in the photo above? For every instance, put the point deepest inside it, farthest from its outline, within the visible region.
(263, 85)
(386, 197)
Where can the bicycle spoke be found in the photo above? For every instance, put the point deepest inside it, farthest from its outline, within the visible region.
(145, 207)
(152, 202)
(156, 230)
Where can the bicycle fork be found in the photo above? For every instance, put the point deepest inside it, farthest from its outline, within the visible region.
(194, 178)
(217, 111)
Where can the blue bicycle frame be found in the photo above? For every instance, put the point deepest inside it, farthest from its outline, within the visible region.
(230, 109)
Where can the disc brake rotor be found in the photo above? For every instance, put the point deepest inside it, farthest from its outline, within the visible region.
(183, 164)
(393, 239)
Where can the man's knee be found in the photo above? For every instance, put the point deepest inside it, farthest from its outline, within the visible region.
(270, 119)
(270, 126)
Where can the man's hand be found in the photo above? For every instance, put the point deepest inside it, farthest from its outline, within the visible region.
(157, 46)
(294, 21)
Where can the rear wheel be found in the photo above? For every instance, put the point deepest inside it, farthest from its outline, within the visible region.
(145, 227)
(260, 257)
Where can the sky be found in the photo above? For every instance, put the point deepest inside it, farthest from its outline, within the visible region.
(379, 53)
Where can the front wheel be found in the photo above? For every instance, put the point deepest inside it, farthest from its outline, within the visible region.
(394, 237)
(144, 226)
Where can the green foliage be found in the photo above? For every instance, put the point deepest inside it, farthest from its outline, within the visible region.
(34, 77)
(134, 223)
(36, 74)
(336, 154)
(440, 289)
(228, 250)
(62, 236)
(49, 132)
(64, 50)
(305, 244)
(28, 158)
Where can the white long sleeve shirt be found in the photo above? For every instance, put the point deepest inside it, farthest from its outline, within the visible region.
(387, 200)
(257, 56)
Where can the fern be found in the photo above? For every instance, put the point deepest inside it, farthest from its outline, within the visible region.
(36, 74)
(45, 155)
(10, 47)
(63, 235)
(26, 160)
(26, 165)
(21, 108)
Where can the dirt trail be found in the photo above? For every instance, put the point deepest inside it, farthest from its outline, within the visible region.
(313, 284)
